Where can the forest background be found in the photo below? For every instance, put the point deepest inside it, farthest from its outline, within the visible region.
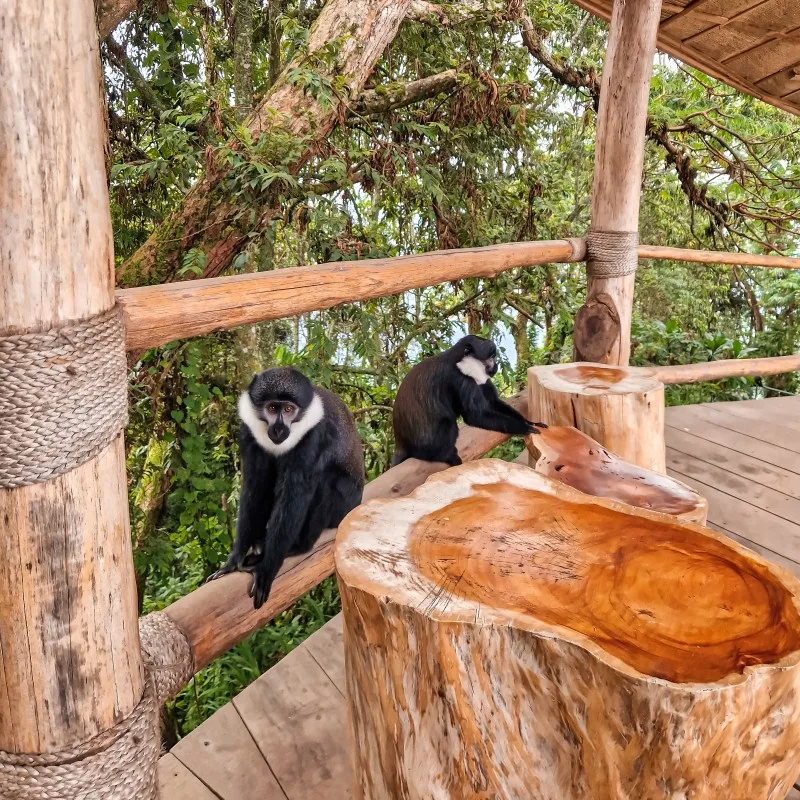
(250, 135)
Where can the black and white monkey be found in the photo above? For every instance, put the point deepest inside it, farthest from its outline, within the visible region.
(303, 466)
(439, 390)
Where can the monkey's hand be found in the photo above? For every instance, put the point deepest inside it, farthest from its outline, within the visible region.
(233, 564)
(534, 426)
(262, 584)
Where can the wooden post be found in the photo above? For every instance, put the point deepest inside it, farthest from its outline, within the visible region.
(70, 664)
(622, 408)
(603, 324)
(509, 637)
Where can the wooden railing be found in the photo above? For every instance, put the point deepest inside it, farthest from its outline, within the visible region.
(219, 615)
(155, 315)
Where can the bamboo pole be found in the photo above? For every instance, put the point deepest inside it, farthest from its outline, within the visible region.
(70, 665)
(602, 326)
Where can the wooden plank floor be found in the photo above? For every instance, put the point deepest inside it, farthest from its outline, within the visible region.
(285, 737)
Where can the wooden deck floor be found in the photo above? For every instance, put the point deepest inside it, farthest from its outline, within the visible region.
(285, 737)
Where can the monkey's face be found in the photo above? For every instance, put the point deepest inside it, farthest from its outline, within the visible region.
(279, 416)
(482, 350)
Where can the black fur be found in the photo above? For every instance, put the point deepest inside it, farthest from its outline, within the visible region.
(435, 393)
(288, 499)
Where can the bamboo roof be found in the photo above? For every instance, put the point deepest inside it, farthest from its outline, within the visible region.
(753, 45)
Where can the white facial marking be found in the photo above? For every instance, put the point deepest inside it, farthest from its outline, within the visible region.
(473, 368)
(247, 413)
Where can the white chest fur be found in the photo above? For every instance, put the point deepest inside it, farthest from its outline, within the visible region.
(473, 368)
(247, 413)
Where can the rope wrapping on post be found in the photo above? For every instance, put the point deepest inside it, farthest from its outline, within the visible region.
(121, 763)
(64, 397)
(611, 254)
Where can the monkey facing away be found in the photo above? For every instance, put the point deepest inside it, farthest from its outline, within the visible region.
(303, 471)
(438, 390)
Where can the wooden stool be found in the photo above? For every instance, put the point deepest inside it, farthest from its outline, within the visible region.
(622, 408)
(508, 637)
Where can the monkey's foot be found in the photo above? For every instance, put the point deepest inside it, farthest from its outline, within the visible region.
(260, 588)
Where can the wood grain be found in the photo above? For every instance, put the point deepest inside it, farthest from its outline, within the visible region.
(754, 524)
(159, 314)
(507, 637)
(69, 643)
(649, 251)
(566, 455)
(726, 368)
(326, 647)
(622, 408)
(298, 718)
(739, 463)
(675, 38)
(223, 755)
(176, 782)
(619, 154)
(156, 315)
(685, 419)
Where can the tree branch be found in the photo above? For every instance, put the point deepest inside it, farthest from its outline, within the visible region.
(445, 13)
(120, 59)
(109, 14)
(399, 95)
(297, 116)
(719, 212)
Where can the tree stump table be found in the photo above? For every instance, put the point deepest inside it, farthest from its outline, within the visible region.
(509, 637)
(568, 456)
(622, 408)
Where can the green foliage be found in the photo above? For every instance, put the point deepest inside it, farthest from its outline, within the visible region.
(505, 156)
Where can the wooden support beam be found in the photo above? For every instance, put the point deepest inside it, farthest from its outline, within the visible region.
(155, 315)
(70, 665)
(220, 614)
(602, 326)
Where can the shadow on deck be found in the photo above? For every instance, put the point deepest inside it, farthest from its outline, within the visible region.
(285, 737)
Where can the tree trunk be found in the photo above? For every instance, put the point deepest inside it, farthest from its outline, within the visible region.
(209, 219)
(247, 362)
(508, 637)
(70, 665)
(621, 408)
(568, 456)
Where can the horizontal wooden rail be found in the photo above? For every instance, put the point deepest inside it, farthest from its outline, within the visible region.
(729, 368)
(220, 614)
(717, 257)
(155, 315)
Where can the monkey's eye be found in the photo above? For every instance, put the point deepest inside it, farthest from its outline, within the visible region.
(289, 410)
(273, 408)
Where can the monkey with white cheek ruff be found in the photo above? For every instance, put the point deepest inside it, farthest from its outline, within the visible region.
(303, 471)
(439, 390)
